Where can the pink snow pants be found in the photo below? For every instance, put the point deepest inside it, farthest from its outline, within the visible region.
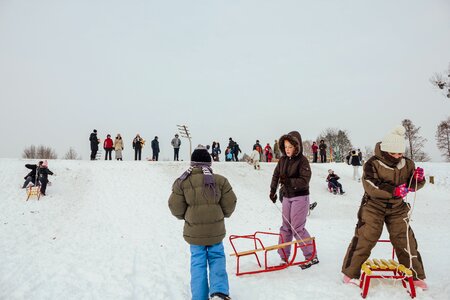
(295, 210)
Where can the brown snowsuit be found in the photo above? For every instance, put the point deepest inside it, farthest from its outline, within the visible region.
(381, 175)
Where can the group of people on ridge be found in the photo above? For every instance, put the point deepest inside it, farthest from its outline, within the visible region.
(203, 199)
(138, 144)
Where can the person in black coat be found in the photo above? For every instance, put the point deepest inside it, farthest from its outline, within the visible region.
(137, 146)
(33, 175)
(38, 175)
(155, 148)
(43, 176)
(94, 144)
(323, 151)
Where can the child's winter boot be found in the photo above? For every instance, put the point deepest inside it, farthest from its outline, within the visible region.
(219, 296)
(314, 261)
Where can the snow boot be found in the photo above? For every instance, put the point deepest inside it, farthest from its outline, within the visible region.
(313, 261)
(219, 296)
(421, 284)
(350, 281)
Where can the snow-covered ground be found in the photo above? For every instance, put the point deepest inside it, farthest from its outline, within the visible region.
(105, 232)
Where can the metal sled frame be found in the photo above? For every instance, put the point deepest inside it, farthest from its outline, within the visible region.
(371, 266)
(260, 247)
(34, 191)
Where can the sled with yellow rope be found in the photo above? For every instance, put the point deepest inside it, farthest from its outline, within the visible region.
(386, 269)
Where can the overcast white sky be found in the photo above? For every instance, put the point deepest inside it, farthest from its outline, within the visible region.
(243, 69)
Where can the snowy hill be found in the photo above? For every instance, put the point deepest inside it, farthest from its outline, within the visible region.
(104, 231)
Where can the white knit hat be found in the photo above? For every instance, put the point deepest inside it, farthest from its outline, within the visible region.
(394, 142)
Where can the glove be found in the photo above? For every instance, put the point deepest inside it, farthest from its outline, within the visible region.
(273, 197)
(401, 191)
(419, 174)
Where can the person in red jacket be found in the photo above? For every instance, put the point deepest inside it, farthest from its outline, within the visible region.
(315, 150)
(268, 152)
(108, 146)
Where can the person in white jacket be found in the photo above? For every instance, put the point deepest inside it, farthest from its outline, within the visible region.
(254, 159)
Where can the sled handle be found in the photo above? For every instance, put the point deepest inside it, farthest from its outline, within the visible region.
(273, 247)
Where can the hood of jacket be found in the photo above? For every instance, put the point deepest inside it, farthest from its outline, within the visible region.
(295, 139)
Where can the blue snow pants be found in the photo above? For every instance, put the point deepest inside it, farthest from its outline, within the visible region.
(202, 257)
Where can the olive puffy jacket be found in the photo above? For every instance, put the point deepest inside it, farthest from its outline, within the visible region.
(203, 212)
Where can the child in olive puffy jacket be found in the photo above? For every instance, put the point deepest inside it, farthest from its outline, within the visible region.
(203, 199)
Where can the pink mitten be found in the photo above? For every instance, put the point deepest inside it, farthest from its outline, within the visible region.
(419, 174)
(401, 191)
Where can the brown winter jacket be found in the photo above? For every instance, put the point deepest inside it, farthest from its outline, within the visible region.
(203, 213)
(381, 176)
(294, 173)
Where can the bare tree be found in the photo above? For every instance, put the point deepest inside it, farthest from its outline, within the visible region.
(443, 138)
(40, 152)
(72, 154)
(416, 143)
(29, 152)
(338, 141)
(442, 82)
(307, 151)
(368, 153)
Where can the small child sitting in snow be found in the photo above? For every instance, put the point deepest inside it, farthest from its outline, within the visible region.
(254, 159)
(333, 184)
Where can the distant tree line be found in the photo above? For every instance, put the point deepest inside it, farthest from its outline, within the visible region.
(45, 152)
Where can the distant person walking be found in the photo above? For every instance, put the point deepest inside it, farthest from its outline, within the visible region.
(356, 163)
(236, 150)
(118, 146)
(257, 146)
(108, 147)
(276, 150)
(94, 144)
(176, 143)
(323, 151)
(215, 151)
(268, 152)
(360, 156)
(137, 146)
(155, 149)
(315, 150)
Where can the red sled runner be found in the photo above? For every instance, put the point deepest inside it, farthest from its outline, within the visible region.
(259, 248)
(386, 269)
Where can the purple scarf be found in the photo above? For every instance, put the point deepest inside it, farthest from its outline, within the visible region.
(207, 174)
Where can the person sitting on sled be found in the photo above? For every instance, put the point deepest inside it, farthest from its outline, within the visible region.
(33, 175)
(203, 199)
(38, 175)
(293, 173)
(388, 177)
(333, 184)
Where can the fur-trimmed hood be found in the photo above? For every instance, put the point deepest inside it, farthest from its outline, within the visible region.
(295, 139)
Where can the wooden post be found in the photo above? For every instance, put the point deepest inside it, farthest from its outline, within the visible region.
(432, 179)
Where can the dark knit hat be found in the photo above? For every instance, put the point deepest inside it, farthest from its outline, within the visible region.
(200, 154)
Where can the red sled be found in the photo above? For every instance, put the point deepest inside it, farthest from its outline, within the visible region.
(257, 240)
(386, 269)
